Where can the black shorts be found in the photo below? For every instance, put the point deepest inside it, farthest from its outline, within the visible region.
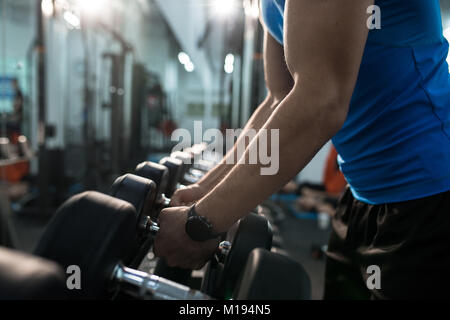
(408, 241)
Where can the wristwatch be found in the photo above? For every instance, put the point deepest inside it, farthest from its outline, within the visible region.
(198, 228)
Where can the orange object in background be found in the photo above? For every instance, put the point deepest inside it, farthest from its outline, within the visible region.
(14, 170)
(334, 179)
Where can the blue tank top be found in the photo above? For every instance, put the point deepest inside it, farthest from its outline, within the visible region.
(395, 143)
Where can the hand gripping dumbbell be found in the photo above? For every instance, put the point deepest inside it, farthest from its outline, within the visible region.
(166, 175)
(254, 231)
(148, 201)
(94, 232)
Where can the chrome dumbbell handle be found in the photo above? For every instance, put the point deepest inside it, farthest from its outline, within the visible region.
(146, 286)
(149, 226)
(153, 227)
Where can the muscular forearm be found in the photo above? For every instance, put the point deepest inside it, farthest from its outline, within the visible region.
(256, 122)
(301, 135)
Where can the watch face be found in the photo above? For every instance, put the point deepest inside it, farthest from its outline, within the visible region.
(198, 229)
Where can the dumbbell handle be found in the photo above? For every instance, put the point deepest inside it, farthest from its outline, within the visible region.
(163, 201)
(146, 286)
(150, 226)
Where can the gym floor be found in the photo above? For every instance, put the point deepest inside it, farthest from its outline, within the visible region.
(298, 236)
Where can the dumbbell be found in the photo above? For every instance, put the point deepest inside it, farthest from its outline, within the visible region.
(175, 171)
(25, 277)
(94, 232)
(223, 272)
(141, 193)
(251, 232)
(182, 171)
(147, 199)
(272, 276)
(166, 175)
(194, 167)
(199, 160)
(164, 178)
(277, 241)
(189, 171)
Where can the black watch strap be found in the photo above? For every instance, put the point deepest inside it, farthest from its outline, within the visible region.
(199, 228)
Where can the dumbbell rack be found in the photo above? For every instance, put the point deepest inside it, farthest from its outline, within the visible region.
(96, 232)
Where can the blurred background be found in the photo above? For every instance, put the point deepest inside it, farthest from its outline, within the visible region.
(104, 83)
(90, 88)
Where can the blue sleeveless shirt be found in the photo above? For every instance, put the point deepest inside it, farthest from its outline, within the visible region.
(395, 143)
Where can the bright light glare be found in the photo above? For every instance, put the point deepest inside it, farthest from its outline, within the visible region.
(229, 68)
(189, 66)
(223, 7)
(183, 58)
(91, 6)
(229, 59)
(186, 61)
(447, 36)
(229, 63)
(47, 8)
(251, 8)
(72, 19)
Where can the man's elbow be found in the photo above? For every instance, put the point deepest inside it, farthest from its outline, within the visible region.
(328, 104)
(274, 99)
(335, 114)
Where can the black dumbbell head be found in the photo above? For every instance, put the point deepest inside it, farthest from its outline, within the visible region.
(175, 167)
(25, 277)
(94, 232)
(138, 191)
(253, 231)
(155, 172)
(273, 276)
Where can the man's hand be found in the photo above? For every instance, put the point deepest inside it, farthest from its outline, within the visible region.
(188, 195)
(174, 246)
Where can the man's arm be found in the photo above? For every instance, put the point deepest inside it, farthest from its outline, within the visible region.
(279, 83)
(324, 44)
